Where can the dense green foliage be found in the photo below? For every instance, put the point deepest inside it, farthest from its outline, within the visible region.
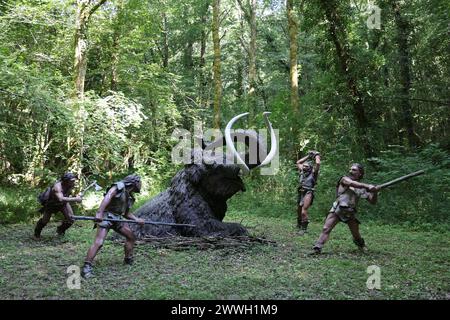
(149, 71)
(99, 86)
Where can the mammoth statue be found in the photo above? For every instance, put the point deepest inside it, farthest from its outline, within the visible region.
(198, 193)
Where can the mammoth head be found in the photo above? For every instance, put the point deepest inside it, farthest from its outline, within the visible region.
(221, 174)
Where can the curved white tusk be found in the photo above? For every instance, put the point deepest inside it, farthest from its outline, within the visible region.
(230, 144)
(273, 141)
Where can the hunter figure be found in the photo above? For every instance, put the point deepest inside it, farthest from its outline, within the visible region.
(308, 175)
(117, 202)
(348, 192)
(56, 199)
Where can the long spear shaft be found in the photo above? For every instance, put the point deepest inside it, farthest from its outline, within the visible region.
(395, 181)
(134, 221)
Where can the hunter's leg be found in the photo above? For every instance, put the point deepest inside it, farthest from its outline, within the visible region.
(130, 239)
(42, 223)
(68, 221)
(353, 225)
(306, 205)
(98, 243)
(304, 214)
(330, 223)
(299, 216)
(92, 252)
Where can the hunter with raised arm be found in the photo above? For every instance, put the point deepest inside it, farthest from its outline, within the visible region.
(308, 174)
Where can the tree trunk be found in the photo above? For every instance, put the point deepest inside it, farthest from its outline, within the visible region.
(252, 76)
(203, 45)
(249, 10)
(239, 77)
(115, 46)
(85, 9)
(203, 79)
(81, 47)
(37, 161)
(188, 52)
(165, 41)
(338, 35)
(403, 31)
(240, 68)
(115, 63)
(216, 65)
(293, 48)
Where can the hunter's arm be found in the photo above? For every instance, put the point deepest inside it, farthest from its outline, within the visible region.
(105, 202)
(60, 196)
(373, 190)
(317, 165)
(373, 197)
(301, 161)
(355, 184)
(131, 216)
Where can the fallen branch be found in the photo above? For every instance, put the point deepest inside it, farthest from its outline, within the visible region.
(203, 243)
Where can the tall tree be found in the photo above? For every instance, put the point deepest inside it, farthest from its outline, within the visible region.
(216, 64)
(85, 9)
(338, 34)
(203, 78)
(249, 10)
(165, 45)
(252, 75)
(403, 33)
(117, 32)
(293, 48)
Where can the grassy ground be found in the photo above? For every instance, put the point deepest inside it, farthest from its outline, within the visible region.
(414, 265)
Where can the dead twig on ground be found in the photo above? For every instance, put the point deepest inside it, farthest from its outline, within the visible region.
(203, 243)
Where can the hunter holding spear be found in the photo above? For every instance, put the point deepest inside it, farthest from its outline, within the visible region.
(118, 201)
(348, 191)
